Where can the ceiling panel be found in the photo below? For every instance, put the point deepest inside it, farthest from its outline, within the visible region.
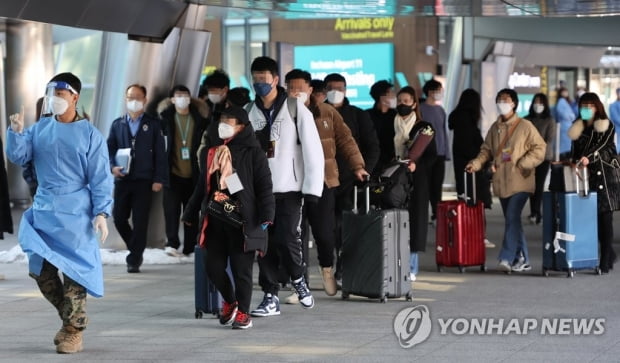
(357, 8)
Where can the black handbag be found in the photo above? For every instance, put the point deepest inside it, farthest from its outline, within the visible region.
(224, 207)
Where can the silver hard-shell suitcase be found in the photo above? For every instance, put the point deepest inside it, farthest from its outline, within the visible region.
(375, 253)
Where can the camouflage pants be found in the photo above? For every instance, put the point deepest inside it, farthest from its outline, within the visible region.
(69, 298)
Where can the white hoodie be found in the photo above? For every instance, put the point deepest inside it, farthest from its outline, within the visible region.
(294, 167)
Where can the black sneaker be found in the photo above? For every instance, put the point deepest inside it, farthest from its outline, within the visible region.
(305, 297)
(270, 306)
(228, 314)
(242, 321)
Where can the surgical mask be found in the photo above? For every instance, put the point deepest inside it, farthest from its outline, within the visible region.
(58, 105)
(181, 102)
(586, 113)
(335, 97)
(303, 96)
(438, 96)
(225, 131)
(262, 89)
(404, 110)
(504, 108)
(215, 98)
(135, 106)
(538, 108)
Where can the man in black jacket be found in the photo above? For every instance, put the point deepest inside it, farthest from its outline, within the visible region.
(364, 133)
(141, 136)
(382, 115)
(184, 120)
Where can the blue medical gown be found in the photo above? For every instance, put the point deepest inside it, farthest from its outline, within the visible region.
(75, 184)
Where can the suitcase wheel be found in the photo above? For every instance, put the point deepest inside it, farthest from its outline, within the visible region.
(345, 295)
(461, 269)
(545, 272)
(409, 296)
(198, 314)
(438, 268)
(383, 300)
(570, 274)
(598, 271)
(483, 268)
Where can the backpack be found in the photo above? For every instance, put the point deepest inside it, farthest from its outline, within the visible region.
(291, 103)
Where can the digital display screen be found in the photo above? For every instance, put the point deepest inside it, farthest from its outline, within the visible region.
(360, 64)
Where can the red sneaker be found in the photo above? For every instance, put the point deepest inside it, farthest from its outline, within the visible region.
(228, 313)
(242, 321)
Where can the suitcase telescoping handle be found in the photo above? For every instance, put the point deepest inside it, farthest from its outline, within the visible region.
(581, 176)
(366, 195)
(473, 198)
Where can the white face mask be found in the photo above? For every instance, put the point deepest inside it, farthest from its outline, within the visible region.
(504, 108)
(134, 106)
(58, 105)
(438, 96)
(215, 98)
(538, 108)
(303, 96)
(182, 103)
(225, 131)
(335, 97)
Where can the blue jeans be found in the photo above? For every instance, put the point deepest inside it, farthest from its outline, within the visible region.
(513, 244)
(413, 263)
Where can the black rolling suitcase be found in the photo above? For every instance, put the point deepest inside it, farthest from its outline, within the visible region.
(375, 253)
(207, 298)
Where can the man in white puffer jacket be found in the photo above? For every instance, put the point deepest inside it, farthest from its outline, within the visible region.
(286, 131)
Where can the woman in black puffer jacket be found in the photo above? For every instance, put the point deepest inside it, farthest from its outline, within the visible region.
(593, 145)
(232, 148)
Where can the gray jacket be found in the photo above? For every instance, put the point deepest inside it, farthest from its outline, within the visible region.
(546, 128)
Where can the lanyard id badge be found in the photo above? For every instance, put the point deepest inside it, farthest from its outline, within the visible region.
(184, 153)
(183, 134)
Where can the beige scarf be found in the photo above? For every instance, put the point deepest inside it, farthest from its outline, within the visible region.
(222, 161)
(402, 127)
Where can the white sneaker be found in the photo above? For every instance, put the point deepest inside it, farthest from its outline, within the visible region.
(305, 296)
(172, 252)
(488, 244)
(270, 306)
(521, 266)
(412, 277)
(504, 266)
(293, 299)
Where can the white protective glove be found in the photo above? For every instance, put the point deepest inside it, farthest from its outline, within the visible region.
(100, 224)
(17, 121)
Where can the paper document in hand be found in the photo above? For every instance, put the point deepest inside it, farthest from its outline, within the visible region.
(123, 159)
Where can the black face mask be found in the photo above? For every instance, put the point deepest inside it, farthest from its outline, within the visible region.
(404, 110)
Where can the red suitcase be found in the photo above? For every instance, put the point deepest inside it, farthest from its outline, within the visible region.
(460, 232)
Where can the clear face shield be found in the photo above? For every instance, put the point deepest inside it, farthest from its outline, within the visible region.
(52, 104)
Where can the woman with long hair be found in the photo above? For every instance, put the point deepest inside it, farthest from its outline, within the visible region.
(409, 128)
(593, 145)
(540, 116)
(466, 141)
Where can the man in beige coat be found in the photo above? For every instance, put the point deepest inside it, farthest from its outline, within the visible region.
(336, 138)
(515, 148)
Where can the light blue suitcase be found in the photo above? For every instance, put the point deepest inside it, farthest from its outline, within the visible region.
(575, 247)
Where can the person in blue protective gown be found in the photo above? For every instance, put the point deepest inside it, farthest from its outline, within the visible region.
(74, 197)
